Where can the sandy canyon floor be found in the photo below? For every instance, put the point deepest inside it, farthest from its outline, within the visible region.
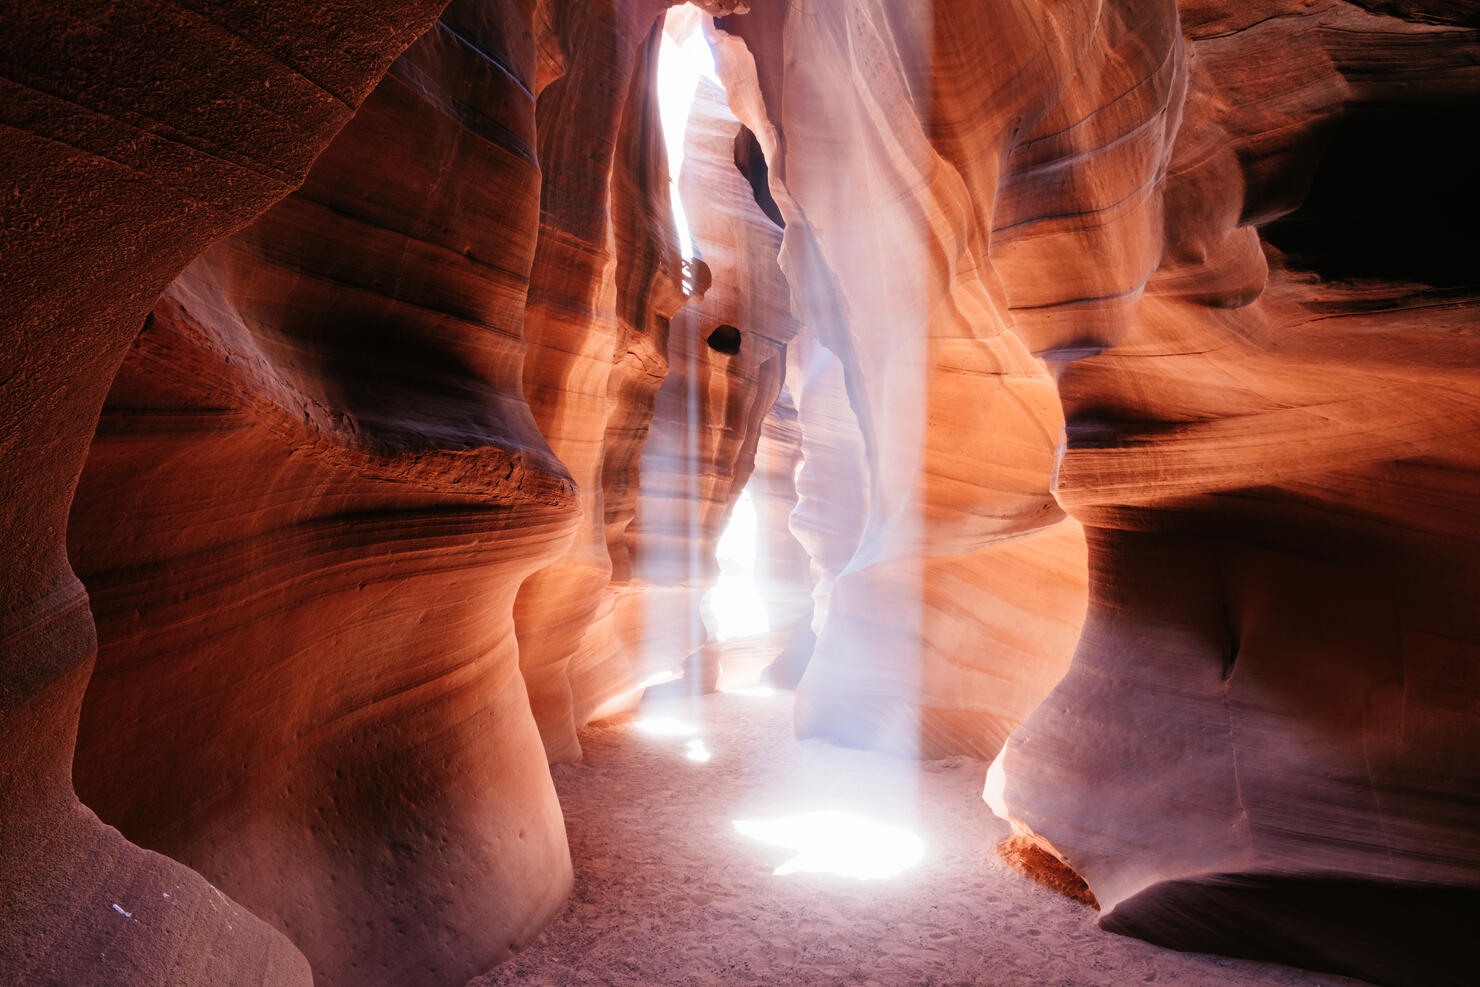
(680, 820)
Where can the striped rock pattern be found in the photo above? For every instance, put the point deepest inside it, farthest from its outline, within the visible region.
(323, 478)
(137, 134)
(1227, 241)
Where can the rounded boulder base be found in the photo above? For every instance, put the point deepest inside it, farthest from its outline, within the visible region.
(1386, 932)
(89, 907)
(81, 905)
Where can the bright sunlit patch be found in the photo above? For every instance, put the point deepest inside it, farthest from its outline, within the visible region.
(696, 751)
(995, 793)
(658, 678)
(755, 691)
(735, 601)
(681, 63)
(835, 842)
(665, 726)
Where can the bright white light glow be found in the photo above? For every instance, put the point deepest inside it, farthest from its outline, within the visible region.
(737, 607)
(756, 691)
(657, 678)
(665, 726)
(995, 792)
(835, 842)
(696, 751)
(680, 65)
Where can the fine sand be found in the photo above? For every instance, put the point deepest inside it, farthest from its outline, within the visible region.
(669, 891)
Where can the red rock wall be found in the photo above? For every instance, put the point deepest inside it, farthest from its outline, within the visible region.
(1272, 751)
(352, 511)
(136, 135)
(322, 481)
(952, 582)
(1265, 744)
(605, 282)
(416, 470)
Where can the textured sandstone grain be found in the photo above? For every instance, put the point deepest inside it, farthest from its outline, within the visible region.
(321, 481)
(405, 475)
(1265, 744)
(136, 135)
(605, 281)
(952, 584)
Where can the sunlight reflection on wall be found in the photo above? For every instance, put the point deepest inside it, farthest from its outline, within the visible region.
(735, 603)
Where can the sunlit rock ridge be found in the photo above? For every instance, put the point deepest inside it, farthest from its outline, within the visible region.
(1102, 378)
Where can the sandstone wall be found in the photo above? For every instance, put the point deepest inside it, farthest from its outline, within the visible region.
(326, 472)
(137, 135)
(406, 454)
(1226, 241)
(952, 582)
(606, 281)
(1266, 744)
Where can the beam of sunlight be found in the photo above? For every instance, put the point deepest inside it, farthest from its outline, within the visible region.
(695, 751)
(837, 842)
(665, 726)
(681, 62)
(735, 602)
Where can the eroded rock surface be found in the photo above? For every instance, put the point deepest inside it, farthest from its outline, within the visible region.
(412, 472)
(951, 583)
(1210, 228)
(323, 480)
(607, 279)
(137, 134)
(1268, 733)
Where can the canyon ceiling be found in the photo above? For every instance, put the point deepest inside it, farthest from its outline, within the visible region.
(1104, 375)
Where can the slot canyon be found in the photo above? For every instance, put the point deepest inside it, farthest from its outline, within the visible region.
(739, 492)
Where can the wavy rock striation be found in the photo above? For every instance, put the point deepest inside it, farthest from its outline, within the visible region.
(322, 484)
(420, 457)
(1230, 235)
(137, 134)
(1266, 744)
(606, 281)
(951, 584)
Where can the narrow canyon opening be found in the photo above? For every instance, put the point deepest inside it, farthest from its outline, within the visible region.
(741, 491)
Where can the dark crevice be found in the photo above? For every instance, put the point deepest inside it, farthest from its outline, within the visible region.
(1394, 198)
(752, 164)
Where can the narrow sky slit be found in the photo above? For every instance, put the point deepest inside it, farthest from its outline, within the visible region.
(680, 64)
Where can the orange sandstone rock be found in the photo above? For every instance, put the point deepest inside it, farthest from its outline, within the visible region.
(136, 135)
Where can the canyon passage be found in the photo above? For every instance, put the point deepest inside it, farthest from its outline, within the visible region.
(448, 446)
